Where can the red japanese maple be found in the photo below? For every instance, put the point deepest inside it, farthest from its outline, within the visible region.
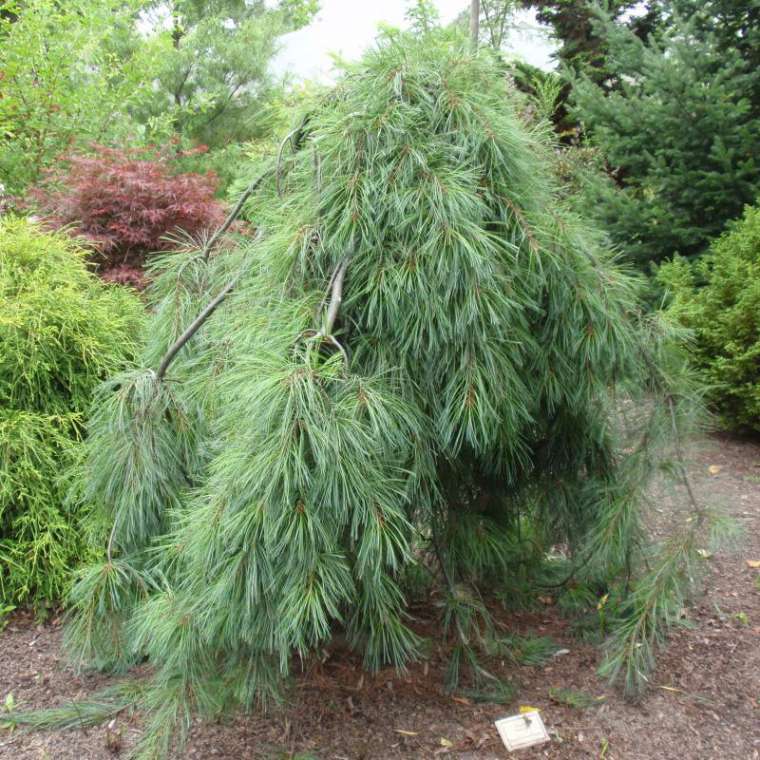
(126, 202)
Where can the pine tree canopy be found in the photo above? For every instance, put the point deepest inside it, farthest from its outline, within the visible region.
(410, 378)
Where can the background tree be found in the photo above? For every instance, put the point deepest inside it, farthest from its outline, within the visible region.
(489, 20)
(132, 72)
(495, 17)
(214, 79)
(474, 23)
(733, 24)
(582, 48)
(423, 16)
(67, 78)
(679, 133)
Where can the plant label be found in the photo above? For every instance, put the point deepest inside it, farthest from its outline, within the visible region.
(520, 731)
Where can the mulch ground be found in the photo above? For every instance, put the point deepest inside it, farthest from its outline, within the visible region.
(704, 700)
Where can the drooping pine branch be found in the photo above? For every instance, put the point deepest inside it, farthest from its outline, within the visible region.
(193, 328)
(234, 213)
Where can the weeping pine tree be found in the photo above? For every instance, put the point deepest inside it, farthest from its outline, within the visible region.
(421, 375)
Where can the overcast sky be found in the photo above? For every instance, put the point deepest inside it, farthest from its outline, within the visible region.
(348, 27)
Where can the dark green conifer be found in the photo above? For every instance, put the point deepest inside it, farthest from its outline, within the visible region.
(677, 124)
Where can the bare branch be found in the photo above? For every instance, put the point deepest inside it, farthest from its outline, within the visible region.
(324, 334)
(336, 297)
(233, 215)
(193, 328)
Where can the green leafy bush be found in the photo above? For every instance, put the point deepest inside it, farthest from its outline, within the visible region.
(718, 297)
(61, 332)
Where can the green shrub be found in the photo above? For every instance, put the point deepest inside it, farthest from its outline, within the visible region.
(61, 332)
(718, 297)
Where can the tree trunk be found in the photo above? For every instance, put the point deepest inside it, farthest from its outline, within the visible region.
(474, 23)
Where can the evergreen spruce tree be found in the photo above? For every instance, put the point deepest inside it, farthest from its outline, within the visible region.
(677, 124)
(410, 378)
(583, 48)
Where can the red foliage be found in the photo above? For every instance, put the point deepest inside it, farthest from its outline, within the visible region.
(126, 275)
(125, 202)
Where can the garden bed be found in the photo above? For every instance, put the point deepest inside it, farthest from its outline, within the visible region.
(704, 701)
